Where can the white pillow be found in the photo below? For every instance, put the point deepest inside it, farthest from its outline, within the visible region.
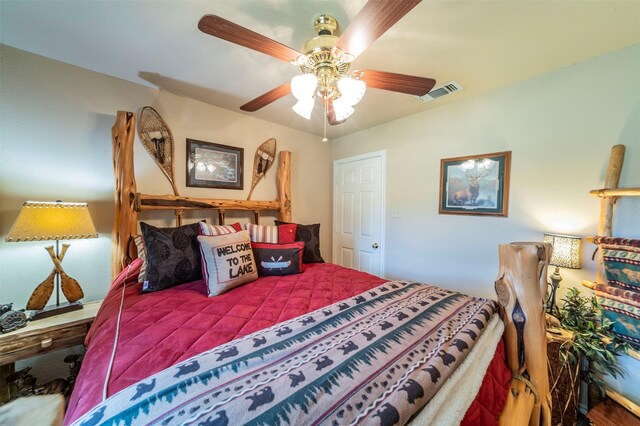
(227, 261)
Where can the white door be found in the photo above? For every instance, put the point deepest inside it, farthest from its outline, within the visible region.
(358, 216)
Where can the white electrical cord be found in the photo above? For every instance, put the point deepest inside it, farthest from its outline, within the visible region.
(115, 339)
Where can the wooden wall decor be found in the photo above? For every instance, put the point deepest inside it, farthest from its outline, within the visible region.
(156, 138)
(521, 287)
(262, 161)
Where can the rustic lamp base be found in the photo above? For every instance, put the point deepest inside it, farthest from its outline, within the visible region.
(51, 310)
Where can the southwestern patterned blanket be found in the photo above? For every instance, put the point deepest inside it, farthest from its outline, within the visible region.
(619, 298)
(376, 358)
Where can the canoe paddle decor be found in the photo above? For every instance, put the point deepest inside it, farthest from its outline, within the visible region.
(157, 140)
(262, 162)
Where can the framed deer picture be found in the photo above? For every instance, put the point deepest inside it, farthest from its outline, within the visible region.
(475, 184)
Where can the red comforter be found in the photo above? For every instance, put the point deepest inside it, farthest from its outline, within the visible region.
(160, 329)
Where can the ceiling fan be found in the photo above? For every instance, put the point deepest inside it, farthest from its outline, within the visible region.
(326, 60)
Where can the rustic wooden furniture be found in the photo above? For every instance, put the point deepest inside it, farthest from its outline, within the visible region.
(45, 335)
(41, 410)
(521, 283)
(609, 196)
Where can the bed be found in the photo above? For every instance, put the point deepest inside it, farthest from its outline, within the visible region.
(329, 345)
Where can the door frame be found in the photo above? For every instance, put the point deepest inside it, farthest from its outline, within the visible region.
(382, 154)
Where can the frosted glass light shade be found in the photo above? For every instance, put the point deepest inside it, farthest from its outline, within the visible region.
(566, 250)
(352, 90)
(40, 221)
(342, 109)
(304, 107)
(303, 86)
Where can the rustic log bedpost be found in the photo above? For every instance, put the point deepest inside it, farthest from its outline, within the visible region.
(521, 287)
(284, 186)
(125, 220)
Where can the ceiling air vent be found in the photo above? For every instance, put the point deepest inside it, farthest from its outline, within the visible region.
(438, 92)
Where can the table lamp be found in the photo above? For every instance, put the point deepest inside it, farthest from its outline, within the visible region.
(41, 221)
(565, 254)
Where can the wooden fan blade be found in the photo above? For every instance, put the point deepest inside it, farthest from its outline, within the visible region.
(227, 30)
(402, 83)
(375, 18)
(264, 100)
(331, 115)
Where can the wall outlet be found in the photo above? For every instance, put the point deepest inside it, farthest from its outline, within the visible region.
(396, 213)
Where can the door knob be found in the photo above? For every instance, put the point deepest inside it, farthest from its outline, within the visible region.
(375, 245)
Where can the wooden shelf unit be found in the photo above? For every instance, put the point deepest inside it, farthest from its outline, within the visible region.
(609, 196)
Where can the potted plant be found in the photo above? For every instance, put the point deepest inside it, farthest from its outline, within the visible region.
(594, 348)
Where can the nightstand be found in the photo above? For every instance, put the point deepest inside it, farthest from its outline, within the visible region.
(44, 335)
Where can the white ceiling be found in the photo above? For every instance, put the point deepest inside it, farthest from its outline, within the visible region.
(482, 45)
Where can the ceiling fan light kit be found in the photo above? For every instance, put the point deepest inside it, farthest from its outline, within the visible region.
(304, 107)
(326, 60)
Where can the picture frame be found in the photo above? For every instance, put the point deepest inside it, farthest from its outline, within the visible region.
(475, 184)
(213, 165)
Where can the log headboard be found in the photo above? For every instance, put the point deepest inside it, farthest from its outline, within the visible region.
(128, 201)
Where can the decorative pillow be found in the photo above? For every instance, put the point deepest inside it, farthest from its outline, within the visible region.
(310, 236)
(262, 233)
(227, 261)
(206, 229)
(142, 254)
(278, 259)
(287, 233)
(172, 255)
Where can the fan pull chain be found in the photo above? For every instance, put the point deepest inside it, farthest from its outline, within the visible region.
(324, 139)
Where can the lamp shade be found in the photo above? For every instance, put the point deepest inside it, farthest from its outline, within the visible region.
(342, 109)
(352, 90)
(304, 107)
(303, 86)
(566, 250)
(39, 221)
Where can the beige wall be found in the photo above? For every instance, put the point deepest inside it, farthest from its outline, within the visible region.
(560, 128)
(56, 144)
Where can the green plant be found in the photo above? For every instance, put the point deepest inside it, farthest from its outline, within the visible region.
(593, 340)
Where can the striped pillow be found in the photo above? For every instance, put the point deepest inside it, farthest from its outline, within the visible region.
(142, 254)
(213, 230)
(262, 233)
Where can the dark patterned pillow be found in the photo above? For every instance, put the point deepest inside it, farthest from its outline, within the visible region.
(310, 236)
(278, 259)
(173, 256)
